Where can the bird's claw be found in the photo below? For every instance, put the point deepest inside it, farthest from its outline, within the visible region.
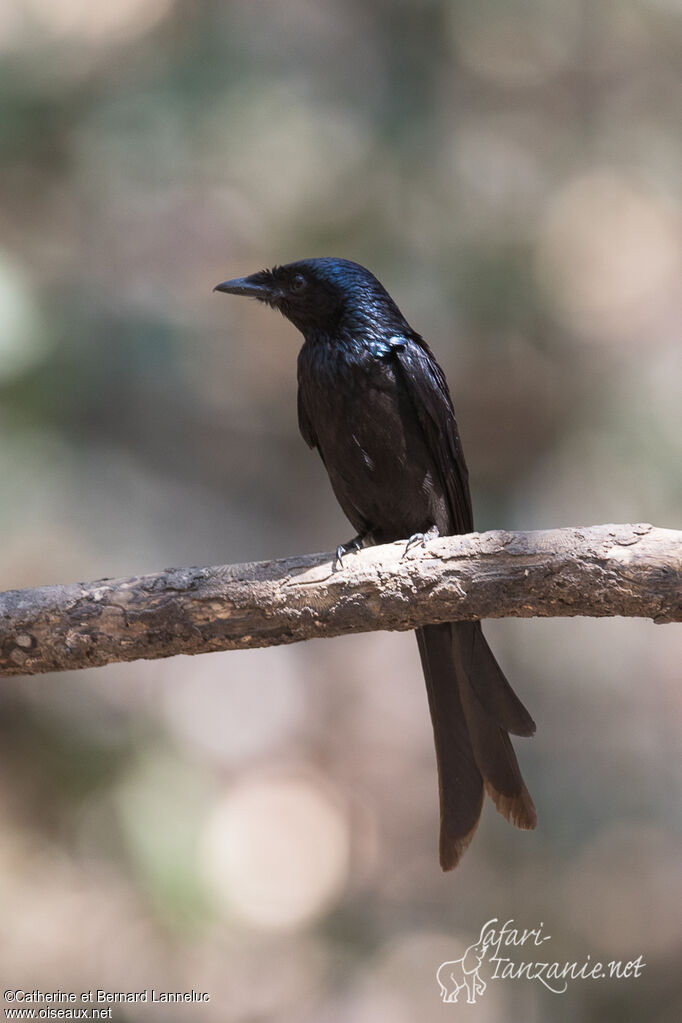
(347, 548)
(419, 539)
(338, 558)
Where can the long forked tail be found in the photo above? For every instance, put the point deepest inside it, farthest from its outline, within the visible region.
(473, 708)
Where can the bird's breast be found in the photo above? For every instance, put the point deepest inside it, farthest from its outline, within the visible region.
(370, 438)
(354, 404)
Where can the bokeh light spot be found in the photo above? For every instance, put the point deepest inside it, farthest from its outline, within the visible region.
(608, 254)
(275, 851)
(22, 338)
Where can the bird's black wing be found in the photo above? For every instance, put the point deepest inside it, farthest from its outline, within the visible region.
(424, 381)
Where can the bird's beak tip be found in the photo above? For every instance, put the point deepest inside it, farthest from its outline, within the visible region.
(244, 286)
(225, 286)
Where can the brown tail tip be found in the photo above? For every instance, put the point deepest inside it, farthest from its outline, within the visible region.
(519, 810)
(452, 849)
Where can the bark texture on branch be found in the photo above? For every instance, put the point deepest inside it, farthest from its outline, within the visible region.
(630, 570)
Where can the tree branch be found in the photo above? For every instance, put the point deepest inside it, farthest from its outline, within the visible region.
(598, 571)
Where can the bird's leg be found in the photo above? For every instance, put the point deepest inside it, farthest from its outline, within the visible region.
(349, 547)
(419, 539)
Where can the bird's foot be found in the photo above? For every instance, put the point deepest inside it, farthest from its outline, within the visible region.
(350, 547)
(419, 539)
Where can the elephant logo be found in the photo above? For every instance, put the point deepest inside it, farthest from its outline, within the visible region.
(462, 973)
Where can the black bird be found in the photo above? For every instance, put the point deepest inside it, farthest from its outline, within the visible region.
(374, 402)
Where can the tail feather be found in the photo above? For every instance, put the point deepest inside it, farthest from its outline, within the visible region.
(488, 680)
(473, 749)
(460, 783)
(497, 762)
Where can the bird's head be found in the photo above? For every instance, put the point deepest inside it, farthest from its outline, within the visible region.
(321, 295)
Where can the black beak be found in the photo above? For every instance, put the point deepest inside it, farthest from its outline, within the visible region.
(253, 286)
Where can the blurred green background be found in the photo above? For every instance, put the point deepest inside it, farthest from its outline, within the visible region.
(263, 825)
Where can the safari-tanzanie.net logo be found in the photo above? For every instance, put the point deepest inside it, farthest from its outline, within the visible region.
(508, 952)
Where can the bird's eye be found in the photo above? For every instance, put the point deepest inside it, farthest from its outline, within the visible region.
(298, 283)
